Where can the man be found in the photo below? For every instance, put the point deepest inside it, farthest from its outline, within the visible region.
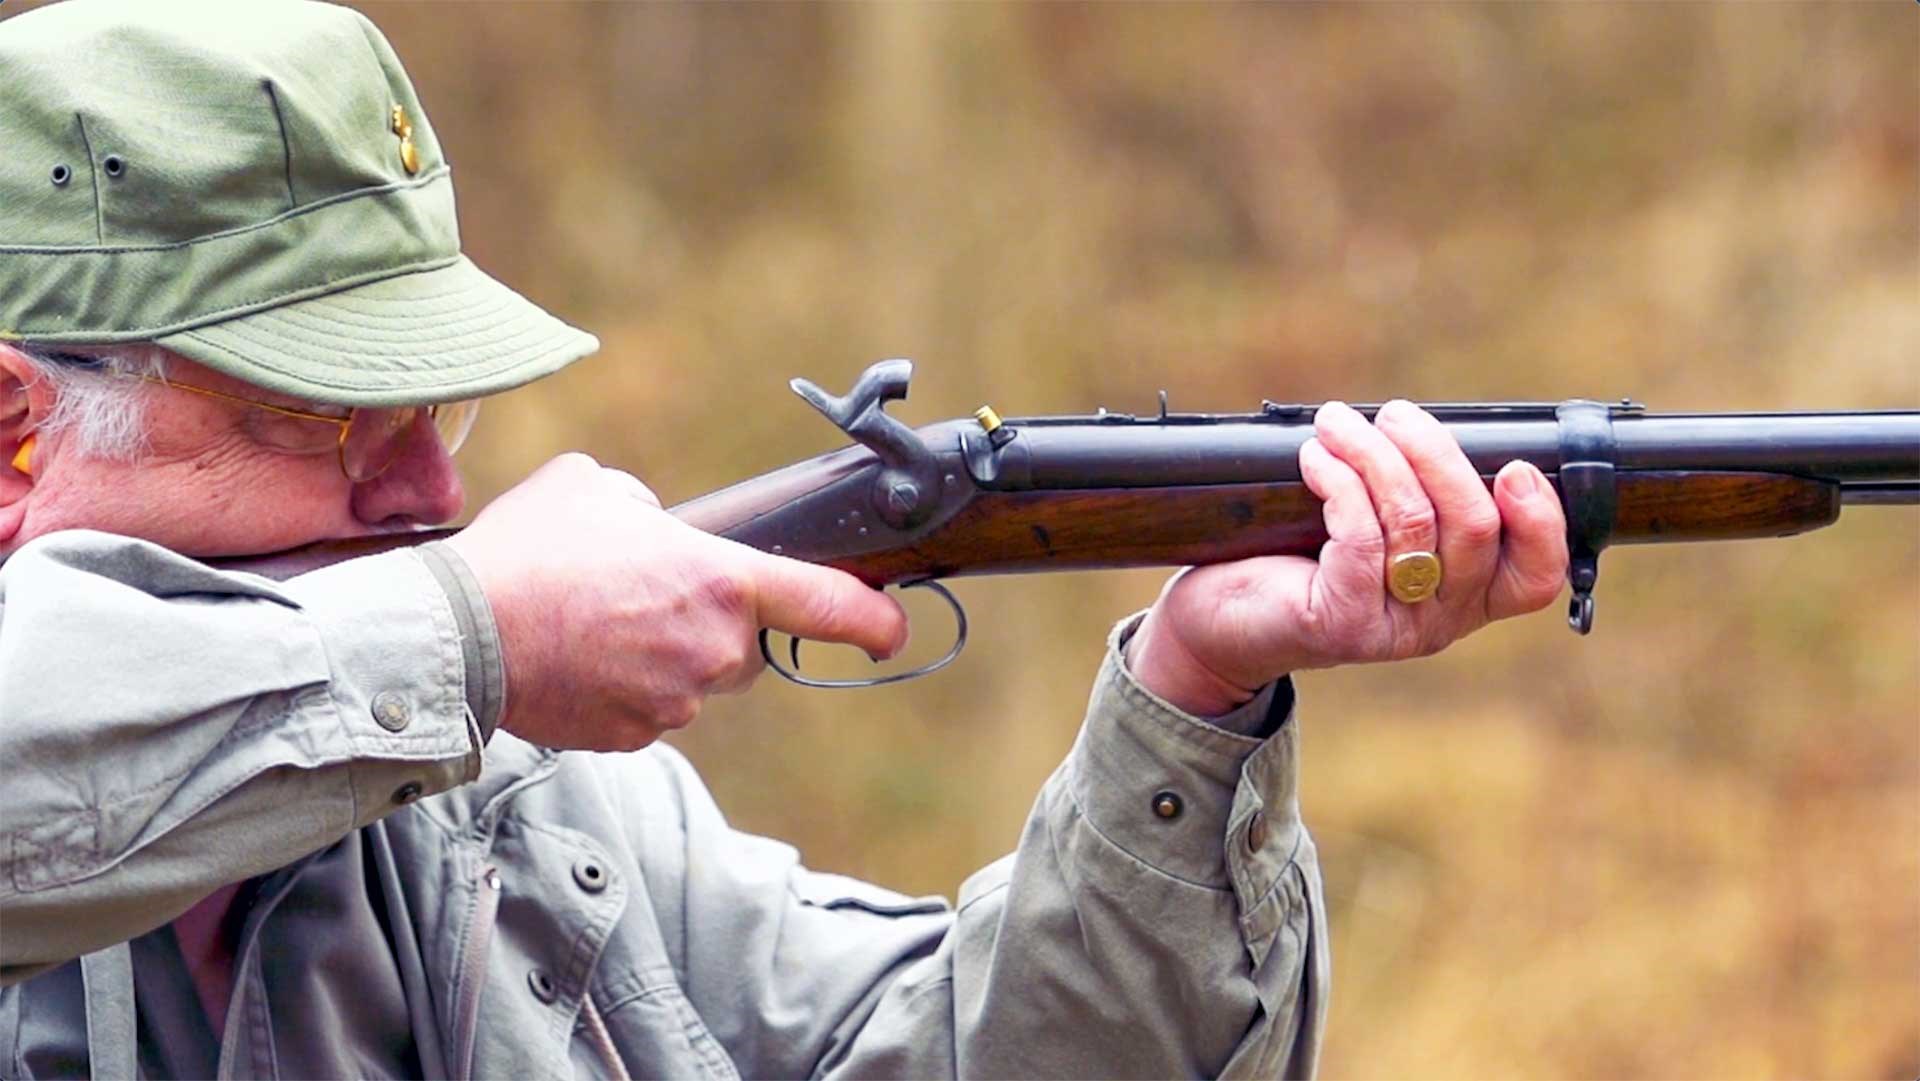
(325, 827)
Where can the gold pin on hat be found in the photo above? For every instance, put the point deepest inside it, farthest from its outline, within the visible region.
(409, 154)
(1412, 577)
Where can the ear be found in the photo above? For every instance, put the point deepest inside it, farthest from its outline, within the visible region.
(25, 402)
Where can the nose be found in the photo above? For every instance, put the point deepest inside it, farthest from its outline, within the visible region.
(421, 487)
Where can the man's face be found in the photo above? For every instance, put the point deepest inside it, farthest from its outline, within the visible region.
(206, 486)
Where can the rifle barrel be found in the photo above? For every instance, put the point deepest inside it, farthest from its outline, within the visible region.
(1875, 453)
(1891, 493)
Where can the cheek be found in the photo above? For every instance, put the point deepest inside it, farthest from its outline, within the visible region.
(250, 502)
(227, 500)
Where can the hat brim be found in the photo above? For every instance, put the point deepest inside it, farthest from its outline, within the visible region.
(430, 336)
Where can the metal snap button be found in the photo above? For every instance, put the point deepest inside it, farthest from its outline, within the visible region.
(391, 710)
(407, 793)
(1257, 832)
(542, 985)
(1167, 804)
(590, 876)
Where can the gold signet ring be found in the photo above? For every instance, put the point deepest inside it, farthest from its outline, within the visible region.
(1412, 577)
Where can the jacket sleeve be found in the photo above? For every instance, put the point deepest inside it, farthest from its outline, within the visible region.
(167, 728)
(1161, 917)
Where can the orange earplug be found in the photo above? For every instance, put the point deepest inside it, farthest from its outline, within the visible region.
(23, 458)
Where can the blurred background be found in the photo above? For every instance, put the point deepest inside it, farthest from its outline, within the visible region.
(1688, 846)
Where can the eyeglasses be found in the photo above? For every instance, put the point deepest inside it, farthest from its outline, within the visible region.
(368, 440)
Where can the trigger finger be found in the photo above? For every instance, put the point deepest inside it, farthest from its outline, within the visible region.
(826, 605)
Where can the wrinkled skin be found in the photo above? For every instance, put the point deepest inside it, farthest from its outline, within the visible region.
(617, 620)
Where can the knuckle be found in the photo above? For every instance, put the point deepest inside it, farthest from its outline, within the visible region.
(1520, 592)
(1396, 413)
(1480, 526)
(726, 591)
(718, 665)
(1312, 621)
(752, 663)
(627, 484)
(1408, 514)
(826, 608)
(1330, 411)
(743, 654)
(1372, 547)
(1542, 591)
(742, 662)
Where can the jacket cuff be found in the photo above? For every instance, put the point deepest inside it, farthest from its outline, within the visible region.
(1189, 797)
(1260, 716)
(401, 688)
(486, 670)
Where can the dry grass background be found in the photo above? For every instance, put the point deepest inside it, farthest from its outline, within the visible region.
(1686, 847)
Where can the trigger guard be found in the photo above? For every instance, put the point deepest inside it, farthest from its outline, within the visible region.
(793, 675)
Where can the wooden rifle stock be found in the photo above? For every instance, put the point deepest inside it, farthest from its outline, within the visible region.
(1096, 528)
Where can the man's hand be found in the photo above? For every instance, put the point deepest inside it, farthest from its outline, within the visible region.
(1217, 634)
(617, 620)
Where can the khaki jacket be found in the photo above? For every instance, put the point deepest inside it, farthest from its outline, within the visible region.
(166, 728)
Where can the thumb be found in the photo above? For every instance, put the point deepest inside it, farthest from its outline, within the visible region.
(826, 605)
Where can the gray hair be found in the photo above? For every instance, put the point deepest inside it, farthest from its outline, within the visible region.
(97, 409)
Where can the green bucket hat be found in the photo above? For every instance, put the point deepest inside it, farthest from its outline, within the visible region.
(254, 186)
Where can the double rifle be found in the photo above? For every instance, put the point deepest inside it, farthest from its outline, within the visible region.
(909, 507)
